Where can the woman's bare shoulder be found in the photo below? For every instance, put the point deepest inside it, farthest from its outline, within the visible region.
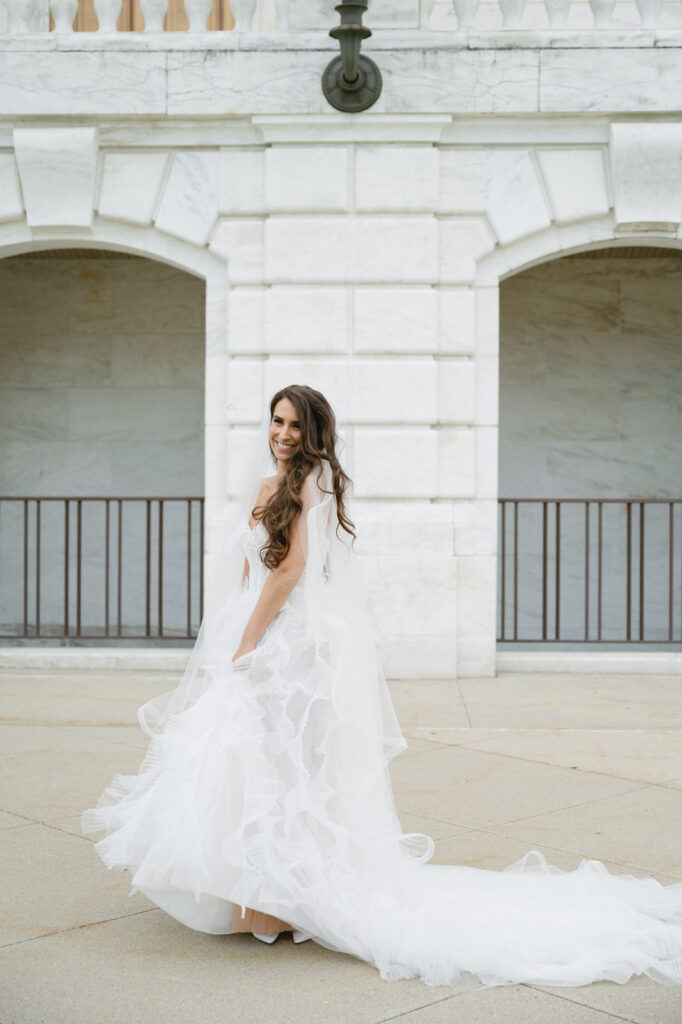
(267, 487)
(269, 483)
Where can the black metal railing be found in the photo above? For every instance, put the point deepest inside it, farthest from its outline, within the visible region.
(90, 568)
(607, 569)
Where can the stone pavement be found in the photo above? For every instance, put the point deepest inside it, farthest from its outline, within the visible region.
(576, 766)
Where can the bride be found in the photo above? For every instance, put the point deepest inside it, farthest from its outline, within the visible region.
(264, 802)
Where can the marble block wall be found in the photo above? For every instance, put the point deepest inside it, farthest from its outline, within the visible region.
(591, 407)
(361, 255)
(101, 377)
(101, 394)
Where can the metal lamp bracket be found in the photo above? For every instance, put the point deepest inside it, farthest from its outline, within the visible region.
(351, 82)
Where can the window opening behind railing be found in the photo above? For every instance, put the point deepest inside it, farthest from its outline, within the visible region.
(107, 568)
(590, 570)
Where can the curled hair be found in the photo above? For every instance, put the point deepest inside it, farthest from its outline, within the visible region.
(318, 442)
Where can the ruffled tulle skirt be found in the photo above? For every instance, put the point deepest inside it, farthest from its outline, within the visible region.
(249, 798)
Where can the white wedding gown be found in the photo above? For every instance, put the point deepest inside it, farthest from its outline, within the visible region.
(257, 794)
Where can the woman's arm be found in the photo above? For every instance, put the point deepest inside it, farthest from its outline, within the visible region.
(279, 584)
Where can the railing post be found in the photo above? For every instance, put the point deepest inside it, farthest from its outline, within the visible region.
(587, 570)
(671, 524)
(160, 570)
(37, 566)
(107, 532)
(25, 566)
(66, 567)
(544, 569)
(557, 573)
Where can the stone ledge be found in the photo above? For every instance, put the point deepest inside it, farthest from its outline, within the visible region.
(98, 658)
(591, 662)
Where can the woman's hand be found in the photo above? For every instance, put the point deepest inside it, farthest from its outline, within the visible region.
(245, 647)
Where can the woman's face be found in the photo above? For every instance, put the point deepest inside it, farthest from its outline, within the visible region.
(285, 431)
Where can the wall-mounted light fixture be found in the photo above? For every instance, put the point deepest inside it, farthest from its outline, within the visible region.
(351, 82)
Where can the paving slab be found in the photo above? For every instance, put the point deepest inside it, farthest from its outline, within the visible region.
(431, 826)
(54, 881)
(418, 744)
(488, 849)
(517, 1004)
(643, 755)
(643, 828)
(637, 1000)
(129, 735)
(477, 789)
(573, 766)
(48, 773)
(148, 968)
(561, 701)
(9, 820)
(427, 702)
(78, 696)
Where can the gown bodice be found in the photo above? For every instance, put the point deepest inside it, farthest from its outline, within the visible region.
(252, 541)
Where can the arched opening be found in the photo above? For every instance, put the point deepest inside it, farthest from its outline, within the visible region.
(590, 466)
(102, 358)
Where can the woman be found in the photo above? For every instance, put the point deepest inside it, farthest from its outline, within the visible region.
(264, 801)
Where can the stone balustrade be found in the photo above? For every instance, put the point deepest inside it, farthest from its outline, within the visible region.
(429, 17)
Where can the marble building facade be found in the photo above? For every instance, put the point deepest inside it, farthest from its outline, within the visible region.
(366, 254)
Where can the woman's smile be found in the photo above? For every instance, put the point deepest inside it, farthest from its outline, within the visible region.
(285, 431)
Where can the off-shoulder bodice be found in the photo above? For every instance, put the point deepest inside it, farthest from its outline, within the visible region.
(252, 542)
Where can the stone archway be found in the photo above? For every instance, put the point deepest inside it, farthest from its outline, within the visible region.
(589, 385)
(17, 238)
(493, 268)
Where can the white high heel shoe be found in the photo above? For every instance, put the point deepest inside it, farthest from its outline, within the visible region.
(298, 936)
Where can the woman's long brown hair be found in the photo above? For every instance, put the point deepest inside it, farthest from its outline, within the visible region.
(318, 442)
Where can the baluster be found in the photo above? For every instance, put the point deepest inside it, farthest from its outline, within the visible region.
(19, 13)
(63, 12)
(243, 12)
(282, 7)
(602, 11)
(270, 16)
(107, 12)
(649, 11)
(425, 12)
(153, 12)
(512, 12)
(197, 14)
(557, 12)
(466, 12)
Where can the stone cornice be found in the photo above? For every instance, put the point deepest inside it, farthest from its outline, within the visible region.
(381, 40)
